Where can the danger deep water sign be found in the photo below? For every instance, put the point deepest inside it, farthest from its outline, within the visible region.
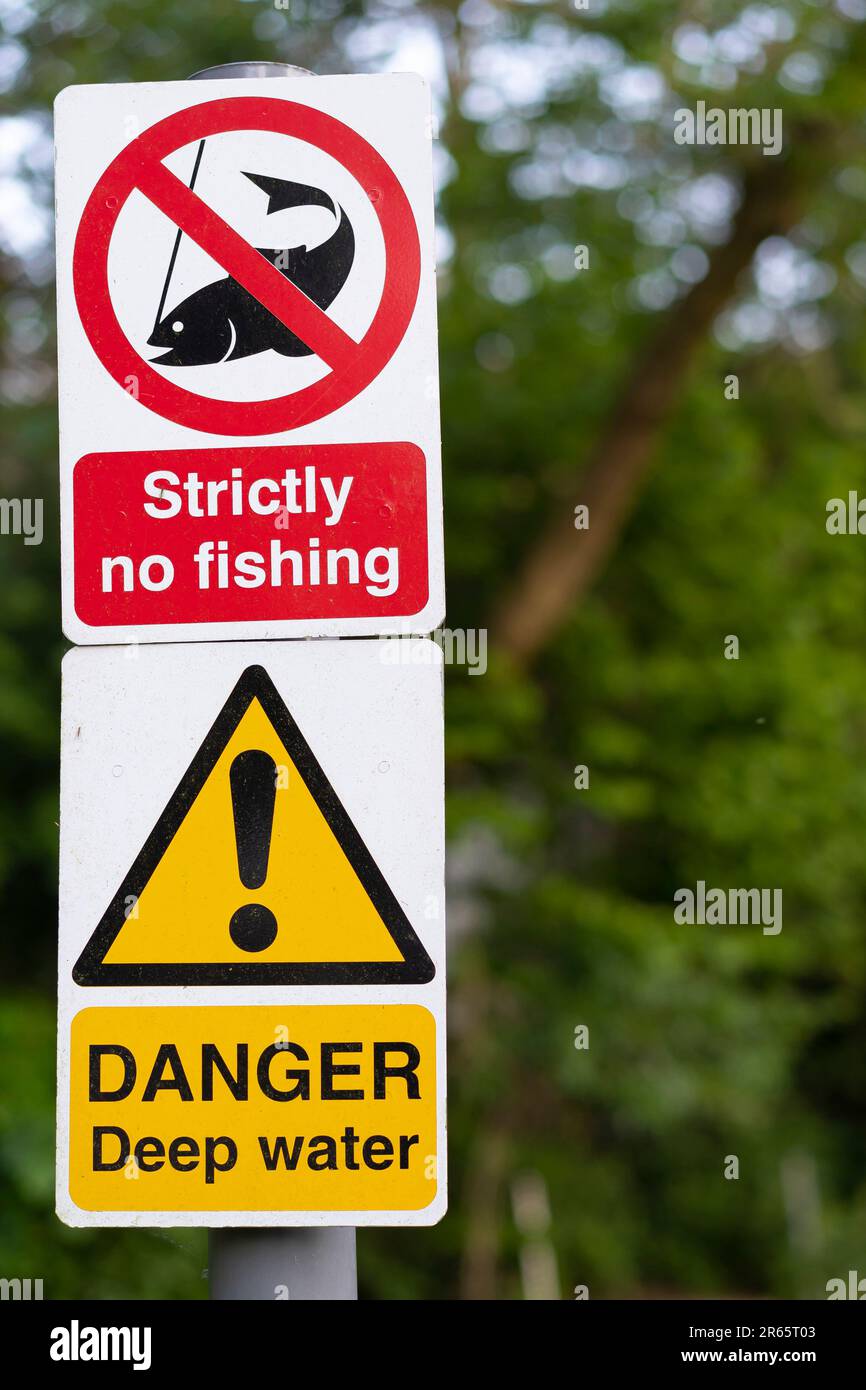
(254, 1109)
(252, 935)
(247, 350)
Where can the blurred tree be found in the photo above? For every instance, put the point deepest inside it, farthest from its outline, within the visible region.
(561, 386)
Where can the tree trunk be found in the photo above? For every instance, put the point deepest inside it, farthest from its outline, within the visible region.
(563, 564)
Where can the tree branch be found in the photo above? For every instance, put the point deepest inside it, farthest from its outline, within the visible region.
(565, 562)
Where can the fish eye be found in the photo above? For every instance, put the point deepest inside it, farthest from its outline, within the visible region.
(177, 326)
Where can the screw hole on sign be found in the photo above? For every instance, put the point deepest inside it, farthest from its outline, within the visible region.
(140, 168)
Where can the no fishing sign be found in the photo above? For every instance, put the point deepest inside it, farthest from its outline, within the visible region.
(247, 360)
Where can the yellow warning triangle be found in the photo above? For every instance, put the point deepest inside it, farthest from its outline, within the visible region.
(254, 873)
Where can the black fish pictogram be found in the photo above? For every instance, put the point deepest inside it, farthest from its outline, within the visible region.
(223, 322)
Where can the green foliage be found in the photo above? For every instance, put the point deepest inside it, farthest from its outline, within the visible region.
(704, 1041)
(72, 1264)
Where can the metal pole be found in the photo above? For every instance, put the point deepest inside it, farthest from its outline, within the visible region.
(311, 1262)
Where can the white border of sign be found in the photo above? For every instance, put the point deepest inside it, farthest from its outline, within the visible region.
(93, 124)
(132, 719)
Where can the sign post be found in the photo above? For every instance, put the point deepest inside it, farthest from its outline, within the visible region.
(251, 983)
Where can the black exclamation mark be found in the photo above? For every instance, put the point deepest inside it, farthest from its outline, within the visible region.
(253, 779)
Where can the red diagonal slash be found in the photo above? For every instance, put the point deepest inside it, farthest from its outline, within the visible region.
(240, 260)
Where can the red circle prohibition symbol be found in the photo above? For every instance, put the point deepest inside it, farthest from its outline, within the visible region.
(353, 364)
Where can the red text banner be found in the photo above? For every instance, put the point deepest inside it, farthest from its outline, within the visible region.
(253, 534)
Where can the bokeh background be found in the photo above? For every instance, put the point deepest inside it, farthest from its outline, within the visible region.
(602, 1167)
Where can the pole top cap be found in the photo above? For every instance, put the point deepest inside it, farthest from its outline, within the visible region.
(259, 69)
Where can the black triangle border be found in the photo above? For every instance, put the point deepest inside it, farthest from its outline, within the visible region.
(416, 967)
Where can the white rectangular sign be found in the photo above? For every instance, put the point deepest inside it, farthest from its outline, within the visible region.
(249, 414)
(252, 940)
